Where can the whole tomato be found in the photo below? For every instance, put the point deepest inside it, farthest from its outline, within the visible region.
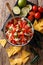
(35, 8)
(37, 15)
(32, 13)
(40, 9)
(30, 17)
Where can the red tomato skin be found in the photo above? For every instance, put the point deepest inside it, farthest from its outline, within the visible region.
(12, 21)
(7, 36)
(35, 8)
(31, 34)
(26, 27)
(40, 9)
(37, 15)
(23, 40)
(29, 30)
(24, 23)
(30, 18)
(32, 13)
(13, 42)
(21, 24)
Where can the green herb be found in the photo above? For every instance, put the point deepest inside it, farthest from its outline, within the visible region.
(35, 59)
(29, 23)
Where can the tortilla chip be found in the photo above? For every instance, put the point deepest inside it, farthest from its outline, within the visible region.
(17, 49)
(13, 50)
(35, 23)
(39, 25)
(10, 51)
(17, 61)
(11, 62)
(3, 42)
(25, 54)
(25, 60)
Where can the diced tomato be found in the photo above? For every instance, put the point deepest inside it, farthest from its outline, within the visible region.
(24, 22)
(27, 27)
(20, 35)
(21, 24)
(7, 36)
(12, 21)
(13, 31)
(12, 37)
(29, 30)
(23, 40)
(13, 41)
(31, 34)
(9, 22)
(9, 25)
(24, 31)
(18, 19)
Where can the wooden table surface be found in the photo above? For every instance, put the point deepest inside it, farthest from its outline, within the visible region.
(4, 13)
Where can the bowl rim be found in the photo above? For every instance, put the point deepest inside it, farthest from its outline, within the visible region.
(5, 34)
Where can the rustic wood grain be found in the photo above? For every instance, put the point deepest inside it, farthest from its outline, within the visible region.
(40, 3)
(4, 60)
(4, 12)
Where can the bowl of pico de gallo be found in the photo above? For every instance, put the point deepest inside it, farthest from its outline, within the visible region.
(20, 33)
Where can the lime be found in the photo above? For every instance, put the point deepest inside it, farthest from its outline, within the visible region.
(22, 3)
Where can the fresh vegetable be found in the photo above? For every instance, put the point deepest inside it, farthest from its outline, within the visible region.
(25, 10)
(32, 13)
(40, 9)
(37, 15)
(30, 17)
(16, 10)
(22, 3)
(35, 59)
(35, 8)
(29, 7)
(23, 14)
(19, 33)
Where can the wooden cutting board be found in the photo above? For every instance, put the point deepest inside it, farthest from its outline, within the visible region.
(4, 60)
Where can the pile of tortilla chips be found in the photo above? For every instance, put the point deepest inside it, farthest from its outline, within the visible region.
(38, 25)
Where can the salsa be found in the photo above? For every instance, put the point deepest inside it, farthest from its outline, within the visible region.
(19, 33)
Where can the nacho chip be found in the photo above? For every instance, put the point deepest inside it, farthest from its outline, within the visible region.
(15, 61)
(18, 61)
(13, 50)
(22, 59)
(25, 54)
(10, 51)
(11, 62)
(3, 42)
(35, 23)
(17, 49)
(39, 25)
(25, 60)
